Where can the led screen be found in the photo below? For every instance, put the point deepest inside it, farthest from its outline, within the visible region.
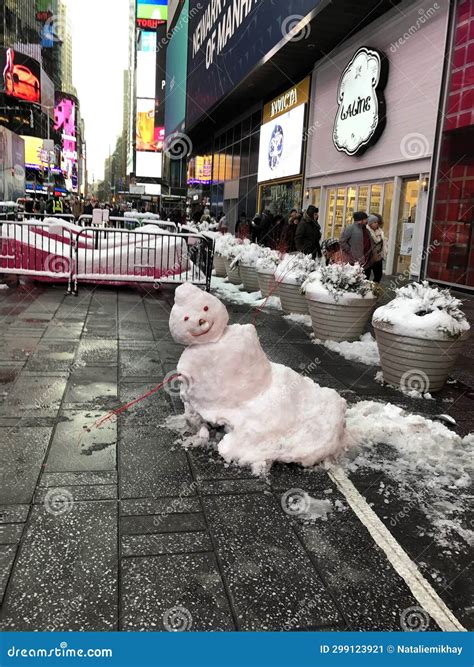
(65, 124)
(20, 76)
(152, 9)
(148, 164)
(145, 139)
(176, 73)
(12, 160)
(281, 143)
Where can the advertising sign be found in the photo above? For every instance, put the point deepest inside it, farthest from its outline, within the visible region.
(227, 40)
(20, 76)
(12, 165)
(152, 9)
(361, 113)
(281, 145)
(65, 124)
(149, 165)
(176, 73)
(146, 64)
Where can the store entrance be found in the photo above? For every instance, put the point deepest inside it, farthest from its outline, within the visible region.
(409, 192)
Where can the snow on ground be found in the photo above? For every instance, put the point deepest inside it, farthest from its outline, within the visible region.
(298, 318)
(234, 294)
(412, 393)
(364, 351)
(432, 469)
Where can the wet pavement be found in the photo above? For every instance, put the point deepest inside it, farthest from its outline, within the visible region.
(113, 526)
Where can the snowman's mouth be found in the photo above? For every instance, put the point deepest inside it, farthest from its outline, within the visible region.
(204, 333)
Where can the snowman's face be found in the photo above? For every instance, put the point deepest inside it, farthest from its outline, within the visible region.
(197, 317)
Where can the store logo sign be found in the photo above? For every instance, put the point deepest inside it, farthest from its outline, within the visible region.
(361, 114)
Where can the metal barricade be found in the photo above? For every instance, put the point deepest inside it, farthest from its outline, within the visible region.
(117, 256)
(104, 255)
(28, 248)
(42, 216)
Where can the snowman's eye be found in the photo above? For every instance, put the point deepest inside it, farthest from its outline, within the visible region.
(206, 308)
(186, 318)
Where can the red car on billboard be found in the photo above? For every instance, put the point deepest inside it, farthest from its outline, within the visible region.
(21, 77)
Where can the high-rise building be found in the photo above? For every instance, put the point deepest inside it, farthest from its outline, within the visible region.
(65, 35)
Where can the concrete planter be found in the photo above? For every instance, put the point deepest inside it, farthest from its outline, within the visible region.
(292, 301)
(267, 284)
(249, 278)
(416, 363)
(339, 322)
(232, 274)
(219, 265)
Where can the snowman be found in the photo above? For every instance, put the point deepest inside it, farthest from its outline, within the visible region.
(270, 413)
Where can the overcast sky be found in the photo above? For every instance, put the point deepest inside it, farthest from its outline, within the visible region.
(100, 54)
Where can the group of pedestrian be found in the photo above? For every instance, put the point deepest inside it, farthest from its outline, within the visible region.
(362, 241)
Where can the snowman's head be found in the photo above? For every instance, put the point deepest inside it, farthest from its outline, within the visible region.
(197, 317)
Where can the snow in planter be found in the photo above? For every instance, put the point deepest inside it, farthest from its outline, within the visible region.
(226, 245)
(294, 269)
(432, 468)
(247, 254)
(228, 381)
(268, 261)
(233, 294)
(364, 351)
(339, 283)
(423, 311)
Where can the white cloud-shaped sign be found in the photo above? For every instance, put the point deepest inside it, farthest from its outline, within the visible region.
(360, 116)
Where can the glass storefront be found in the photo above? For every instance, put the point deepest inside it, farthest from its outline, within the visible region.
(342, 202)
(280, 198)
(451, 249)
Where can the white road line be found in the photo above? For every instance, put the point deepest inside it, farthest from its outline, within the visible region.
(401, 562)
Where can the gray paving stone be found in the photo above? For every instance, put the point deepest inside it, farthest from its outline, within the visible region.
(273, 583)
(57, 355)
(22, 452)
(154, 586)
(13, 513)
(165, 543)
(72, 586)
(79, 493)
(79, 446)
(92, 386)
(160, 506)
(96, 351)
(77, 478)
(162, 523)
(143, 363)
(11, 533)
(7, 556)
(232, 486)
(38, 394)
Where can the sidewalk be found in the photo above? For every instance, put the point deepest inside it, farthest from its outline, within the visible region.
(119, 528)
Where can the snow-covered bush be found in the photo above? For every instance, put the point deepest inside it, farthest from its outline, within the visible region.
(294, 269)
(247, 254)
(423, 311)
(268, 260)
(226, 245)
(337, 281)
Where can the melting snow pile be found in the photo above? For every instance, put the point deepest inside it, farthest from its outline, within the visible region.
(227, 380)
(365, 350)
(232, 294)
(433, 468)
(422, 311)
(299, 318)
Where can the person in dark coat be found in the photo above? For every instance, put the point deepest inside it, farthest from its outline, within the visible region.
(287, 238)
(308, 233)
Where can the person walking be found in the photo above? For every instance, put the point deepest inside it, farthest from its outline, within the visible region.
(357, 242)
(287, 238)
(375, 229)
(308, 233)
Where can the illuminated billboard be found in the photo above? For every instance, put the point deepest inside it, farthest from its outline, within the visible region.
(281, 146)
(152, 9)
(149, 164)
(146, 65)
(12, 170)
(176, 73)
(200, 170)
(65, 124)
(145, 139)
(21, 76)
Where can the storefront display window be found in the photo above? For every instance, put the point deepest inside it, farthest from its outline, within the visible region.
(280, 198)
(331, 205)
(340, 209)
(375, 198)
(451, 256)
(406, 226)
(363, 201)
(350, 205)
(316, 197)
